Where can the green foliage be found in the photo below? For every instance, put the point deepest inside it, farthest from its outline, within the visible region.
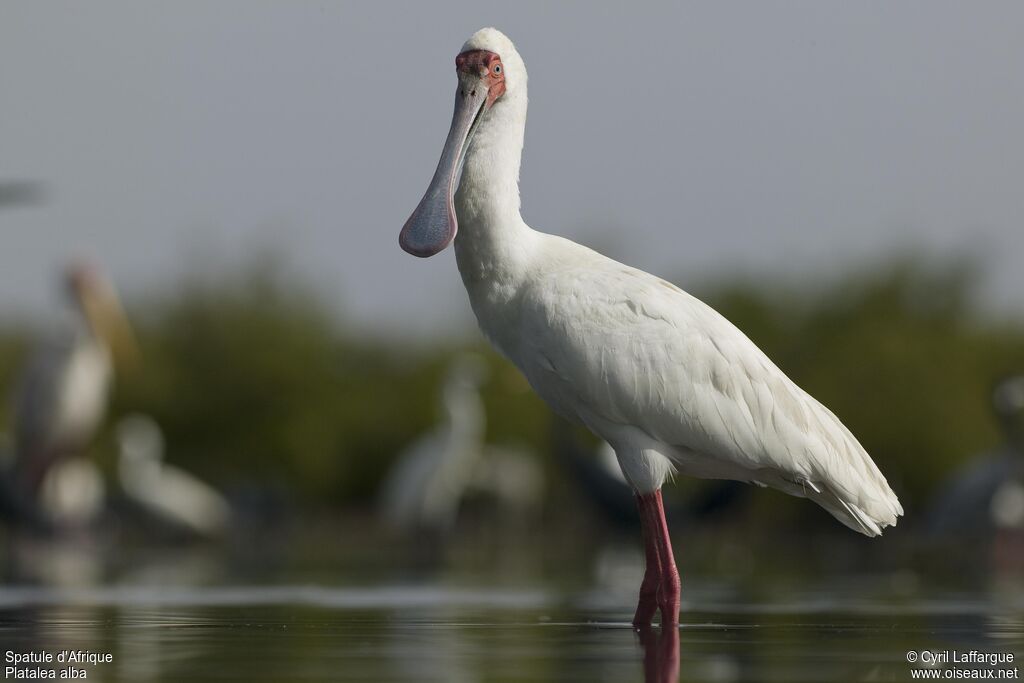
(253, 378)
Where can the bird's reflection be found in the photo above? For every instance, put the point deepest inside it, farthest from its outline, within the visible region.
(661, 653)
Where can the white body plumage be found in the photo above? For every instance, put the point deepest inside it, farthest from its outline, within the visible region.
(665, 379)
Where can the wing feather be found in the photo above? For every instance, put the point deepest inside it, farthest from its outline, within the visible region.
(636, 350)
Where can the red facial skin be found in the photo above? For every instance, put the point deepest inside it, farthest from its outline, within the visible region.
(487, 65)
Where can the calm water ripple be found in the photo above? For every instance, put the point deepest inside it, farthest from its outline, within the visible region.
(429, 633)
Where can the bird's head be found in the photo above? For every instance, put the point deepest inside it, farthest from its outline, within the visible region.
(101, 308)
(491, 76)
(139, 440)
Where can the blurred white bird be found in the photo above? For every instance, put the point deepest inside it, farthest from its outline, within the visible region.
(663, 378)
(167, 492)
(433, 476)
(61, 398)
(73, 493)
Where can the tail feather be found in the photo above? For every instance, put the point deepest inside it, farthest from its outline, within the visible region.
(884, 511)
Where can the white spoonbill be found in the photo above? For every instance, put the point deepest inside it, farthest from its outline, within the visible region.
(62, 396)
(662, 377)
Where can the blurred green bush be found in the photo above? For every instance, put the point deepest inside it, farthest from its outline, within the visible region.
(254, 379)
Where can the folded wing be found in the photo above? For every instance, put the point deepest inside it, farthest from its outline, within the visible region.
(636, 350)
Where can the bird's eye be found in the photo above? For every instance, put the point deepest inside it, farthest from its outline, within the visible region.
(496, 69)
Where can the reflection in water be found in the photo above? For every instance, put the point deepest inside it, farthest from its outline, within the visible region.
(429, 633)
(139, 648)
(661, 654)
(368, 614)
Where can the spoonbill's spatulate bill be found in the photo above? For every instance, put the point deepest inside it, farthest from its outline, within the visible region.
(667, 381)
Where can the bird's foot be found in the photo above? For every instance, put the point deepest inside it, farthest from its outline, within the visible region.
(666, 599)
(669, 594)
(648, 603)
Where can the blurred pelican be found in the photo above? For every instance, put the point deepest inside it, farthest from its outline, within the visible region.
(433, 476)
(167, 492)
(988, 493)
(62, 397)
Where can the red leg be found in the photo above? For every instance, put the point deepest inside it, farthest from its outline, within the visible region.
(658, 553)
(648, 602)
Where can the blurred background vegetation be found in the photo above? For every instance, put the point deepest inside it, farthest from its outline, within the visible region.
(256, 381)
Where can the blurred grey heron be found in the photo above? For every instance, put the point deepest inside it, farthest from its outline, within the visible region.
(62, 395)
(164, 491)
(988, 493)
(1008, 404)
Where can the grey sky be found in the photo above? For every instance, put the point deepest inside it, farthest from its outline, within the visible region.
(691, 139)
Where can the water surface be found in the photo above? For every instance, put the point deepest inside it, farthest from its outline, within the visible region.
(360, 608)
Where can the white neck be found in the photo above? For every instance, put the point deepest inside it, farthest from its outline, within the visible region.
(493, 239)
